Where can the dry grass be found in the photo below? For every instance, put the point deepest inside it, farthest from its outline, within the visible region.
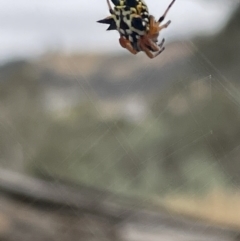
(217, 207)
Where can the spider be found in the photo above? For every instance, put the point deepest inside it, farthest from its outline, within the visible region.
(138, 30)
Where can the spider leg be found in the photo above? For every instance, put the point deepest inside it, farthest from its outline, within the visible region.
(145, 47)
(147, 52)
(149, 43)
(150, 54)
(110, 7)
(127, 45)
(153, 25)
(148, 46)
(161, 47)
(152, 22)
(164, 25)
(165, 13)
(161, 44)
(159, 52)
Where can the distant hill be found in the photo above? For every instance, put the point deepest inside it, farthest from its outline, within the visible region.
(66, 79)
(114, 76)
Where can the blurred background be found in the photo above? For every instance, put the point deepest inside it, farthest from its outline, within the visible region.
(77, 107)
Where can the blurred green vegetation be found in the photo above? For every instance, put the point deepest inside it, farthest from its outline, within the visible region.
(186, 142)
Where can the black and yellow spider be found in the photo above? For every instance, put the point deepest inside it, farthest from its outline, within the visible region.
(138, 30)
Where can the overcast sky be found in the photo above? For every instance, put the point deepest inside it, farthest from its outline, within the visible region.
(30, 27)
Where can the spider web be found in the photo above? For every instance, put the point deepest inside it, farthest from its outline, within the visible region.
(160, 143)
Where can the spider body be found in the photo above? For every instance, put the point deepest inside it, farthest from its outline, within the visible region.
(138, 30)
